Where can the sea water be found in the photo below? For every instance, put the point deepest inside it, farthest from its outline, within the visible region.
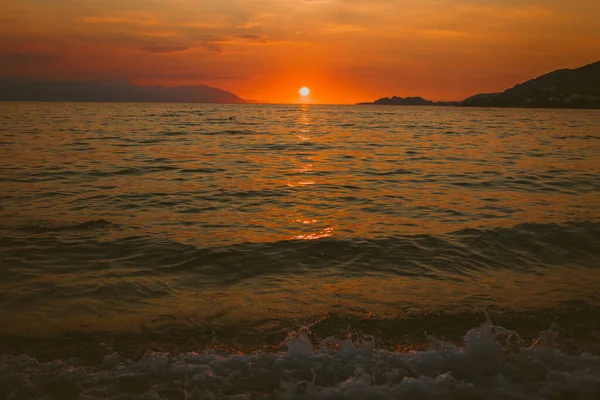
(177, 251)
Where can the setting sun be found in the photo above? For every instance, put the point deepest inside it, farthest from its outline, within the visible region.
(304, 91)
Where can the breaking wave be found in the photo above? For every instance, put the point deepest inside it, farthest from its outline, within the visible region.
(492, 362)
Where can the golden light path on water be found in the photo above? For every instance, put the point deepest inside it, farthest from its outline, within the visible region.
(226, 213)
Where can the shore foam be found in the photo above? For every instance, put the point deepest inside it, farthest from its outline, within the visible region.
(493, 363)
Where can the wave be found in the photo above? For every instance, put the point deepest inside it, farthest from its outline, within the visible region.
(526, 248)
(46, 227)
(229, 132)
(491, 362)
(526, 266)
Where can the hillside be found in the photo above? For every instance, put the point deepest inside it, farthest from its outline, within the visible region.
(564, 88)
(29, 90)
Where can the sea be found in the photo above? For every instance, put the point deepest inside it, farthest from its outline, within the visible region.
(201, 251)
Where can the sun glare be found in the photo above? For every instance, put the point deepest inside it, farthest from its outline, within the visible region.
(304, 91)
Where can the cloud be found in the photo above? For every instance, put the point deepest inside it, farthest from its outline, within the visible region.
(296, 39)
(211, 45)
(22, 57)
(254, 38)
(248, 25)
(440, 33)
(119, 20)
(345, 28)
(163, 49)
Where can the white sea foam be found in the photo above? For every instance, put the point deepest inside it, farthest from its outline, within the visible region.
(492, 363)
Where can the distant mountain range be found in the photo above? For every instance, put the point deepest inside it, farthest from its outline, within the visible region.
(30, 90)
(408, 101)
(564, 88)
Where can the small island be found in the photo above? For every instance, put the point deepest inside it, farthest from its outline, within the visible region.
(408, 101)
(563, 88)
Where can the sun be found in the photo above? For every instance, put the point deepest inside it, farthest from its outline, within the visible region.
(304, 91)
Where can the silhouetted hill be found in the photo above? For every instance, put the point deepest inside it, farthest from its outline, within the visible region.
(26, 90)
(408, 101)
(564, 88)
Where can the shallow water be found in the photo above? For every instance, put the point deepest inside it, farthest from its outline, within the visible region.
(128, 227)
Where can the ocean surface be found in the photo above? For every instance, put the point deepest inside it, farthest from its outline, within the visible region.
(298, 252)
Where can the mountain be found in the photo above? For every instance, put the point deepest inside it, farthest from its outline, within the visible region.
(30, 90)
(564, 88)
(408, 101)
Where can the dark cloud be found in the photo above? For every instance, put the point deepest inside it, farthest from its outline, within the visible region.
(254, 38)
(15, 58)
(164, 49)
(211, 45)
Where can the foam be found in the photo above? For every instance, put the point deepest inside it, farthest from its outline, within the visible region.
(492, 363)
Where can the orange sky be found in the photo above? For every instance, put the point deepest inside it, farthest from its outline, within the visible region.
(344, 50)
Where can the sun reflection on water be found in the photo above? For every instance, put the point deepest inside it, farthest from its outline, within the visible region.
(306, 221)
(325, 233)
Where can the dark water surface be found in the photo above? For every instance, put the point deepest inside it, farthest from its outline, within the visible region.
(127, 228)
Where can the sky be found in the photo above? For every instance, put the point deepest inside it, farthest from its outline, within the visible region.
(345, 51)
